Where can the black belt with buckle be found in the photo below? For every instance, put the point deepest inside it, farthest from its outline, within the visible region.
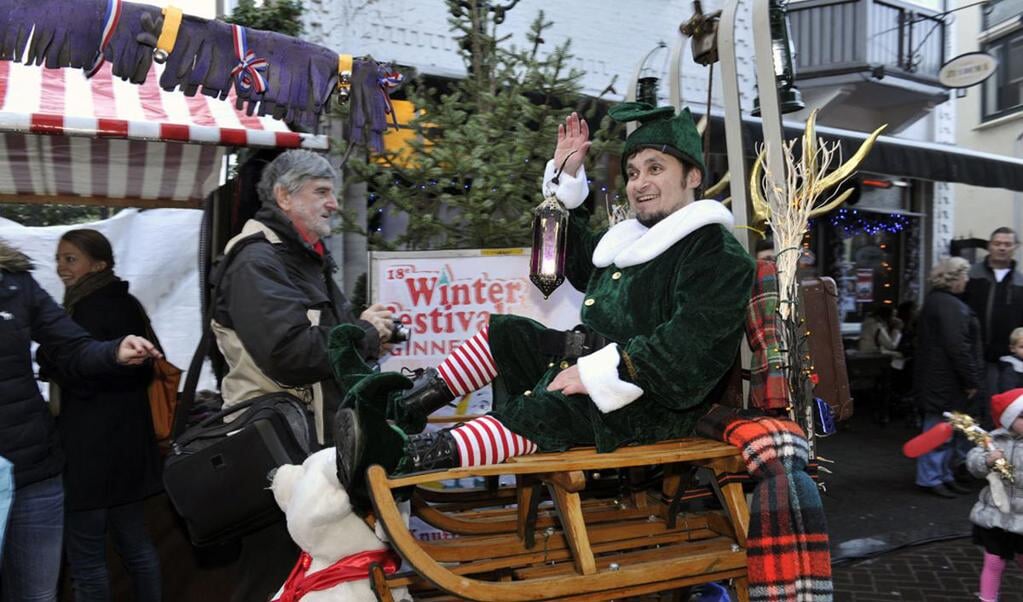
(571, 344)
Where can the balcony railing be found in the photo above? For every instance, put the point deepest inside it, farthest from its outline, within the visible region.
(881, 37)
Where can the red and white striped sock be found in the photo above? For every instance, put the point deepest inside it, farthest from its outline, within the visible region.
(470, 366)
(486, 441)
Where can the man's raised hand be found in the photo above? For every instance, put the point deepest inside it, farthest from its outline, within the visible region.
(573, 135)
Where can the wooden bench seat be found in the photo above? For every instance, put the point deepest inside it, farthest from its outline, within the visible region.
(574, 547)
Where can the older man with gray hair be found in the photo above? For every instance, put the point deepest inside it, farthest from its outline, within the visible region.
(275, 307)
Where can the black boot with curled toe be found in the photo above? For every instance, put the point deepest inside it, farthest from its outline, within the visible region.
(428, 394)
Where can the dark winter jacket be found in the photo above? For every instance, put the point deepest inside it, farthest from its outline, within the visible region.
(28, 437)
(998, 305)
(1010, 373)
(105, 426)
(948, 353)
(274, 311)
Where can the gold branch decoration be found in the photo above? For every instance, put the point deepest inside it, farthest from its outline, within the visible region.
(788, 204)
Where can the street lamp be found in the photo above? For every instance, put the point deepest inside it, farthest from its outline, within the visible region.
(782, 51)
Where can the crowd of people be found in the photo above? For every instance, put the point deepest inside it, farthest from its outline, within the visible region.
(84, 462)
(964, 353)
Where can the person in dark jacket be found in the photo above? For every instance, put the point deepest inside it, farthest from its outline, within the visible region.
(275, 307)
(30, 558)
(948, 368)
(995, 293)
(106, 430)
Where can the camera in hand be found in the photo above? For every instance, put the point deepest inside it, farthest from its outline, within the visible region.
(400, 332)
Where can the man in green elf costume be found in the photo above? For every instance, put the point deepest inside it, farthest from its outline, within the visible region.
(666, 295)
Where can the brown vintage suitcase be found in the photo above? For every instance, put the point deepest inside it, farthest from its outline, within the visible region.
(820, 303)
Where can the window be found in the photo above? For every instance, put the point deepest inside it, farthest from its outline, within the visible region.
(996, 12)
(1003, 92)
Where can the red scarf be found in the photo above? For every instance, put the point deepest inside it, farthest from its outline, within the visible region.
(311, 239)
(349, 568)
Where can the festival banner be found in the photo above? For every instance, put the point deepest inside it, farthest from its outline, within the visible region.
(446, 296)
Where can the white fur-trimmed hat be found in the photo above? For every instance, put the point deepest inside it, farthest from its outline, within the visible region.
(1006, 407)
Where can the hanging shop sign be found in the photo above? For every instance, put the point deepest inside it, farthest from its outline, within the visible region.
(967, 70)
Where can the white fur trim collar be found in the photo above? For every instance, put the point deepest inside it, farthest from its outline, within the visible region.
(630, 243)
(1015, 362)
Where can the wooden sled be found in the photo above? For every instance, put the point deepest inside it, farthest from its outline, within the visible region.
(580, 547)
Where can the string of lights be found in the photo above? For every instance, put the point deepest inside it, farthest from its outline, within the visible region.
(851, 222)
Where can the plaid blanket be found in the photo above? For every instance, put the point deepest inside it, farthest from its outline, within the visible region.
(787, 545)
(769, 390)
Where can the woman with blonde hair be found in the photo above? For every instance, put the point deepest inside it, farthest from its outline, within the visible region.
(948, 370)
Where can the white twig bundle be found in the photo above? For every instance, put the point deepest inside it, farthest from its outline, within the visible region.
(790, 205)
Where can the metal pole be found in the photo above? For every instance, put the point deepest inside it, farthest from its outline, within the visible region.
(733, 141)
(733, 122)
(770, 112)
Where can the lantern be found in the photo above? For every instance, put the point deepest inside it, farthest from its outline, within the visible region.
(550, 230)
(789, 98)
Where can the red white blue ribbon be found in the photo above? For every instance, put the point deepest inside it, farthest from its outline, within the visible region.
(249, 72)
(113, 15)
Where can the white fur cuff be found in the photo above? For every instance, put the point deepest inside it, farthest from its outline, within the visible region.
(571, 190)
(599, 373)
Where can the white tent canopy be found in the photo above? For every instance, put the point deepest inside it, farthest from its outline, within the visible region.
(68, 139)
(149, 254)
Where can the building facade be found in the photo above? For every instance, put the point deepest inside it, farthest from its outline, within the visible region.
(990, 116)
(861, 62)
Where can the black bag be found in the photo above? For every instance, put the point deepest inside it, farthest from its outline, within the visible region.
(216, 474)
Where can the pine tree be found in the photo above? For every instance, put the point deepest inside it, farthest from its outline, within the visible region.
(281, 16)
(471, 175)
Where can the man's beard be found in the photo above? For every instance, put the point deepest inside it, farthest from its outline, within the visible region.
(650, 220)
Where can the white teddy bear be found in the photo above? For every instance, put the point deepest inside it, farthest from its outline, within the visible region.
(321, 522)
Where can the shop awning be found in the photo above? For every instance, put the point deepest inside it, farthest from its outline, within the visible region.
(68, 139)
(899, 157)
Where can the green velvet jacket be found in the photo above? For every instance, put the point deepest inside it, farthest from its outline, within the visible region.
(672, 297)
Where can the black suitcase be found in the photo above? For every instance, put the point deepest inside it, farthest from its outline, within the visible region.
(217, 473)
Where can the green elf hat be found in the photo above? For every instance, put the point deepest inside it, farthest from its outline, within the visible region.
(660, 129)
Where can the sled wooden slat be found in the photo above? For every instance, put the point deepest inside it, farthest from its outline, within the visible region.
(669, 452)
(495, 546)
(584, 548)
(507, 520)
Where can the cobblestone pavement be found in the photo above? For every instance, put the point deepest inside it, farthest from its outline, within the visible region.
(946, 571)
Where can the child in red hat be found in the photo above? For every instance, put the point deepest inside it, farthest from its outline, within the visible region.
(998, 518)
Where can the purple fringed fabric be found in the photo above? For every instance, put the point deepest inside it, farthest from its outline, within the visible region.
(67, 34)
(301, 76)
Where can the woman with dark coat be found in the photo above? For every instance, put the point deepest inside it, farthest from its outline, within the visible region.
(30, 555)
(948, 368)
(106, 430)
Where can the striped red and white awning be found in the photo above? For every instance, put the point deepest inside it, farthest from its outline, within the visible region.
(70, 139)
